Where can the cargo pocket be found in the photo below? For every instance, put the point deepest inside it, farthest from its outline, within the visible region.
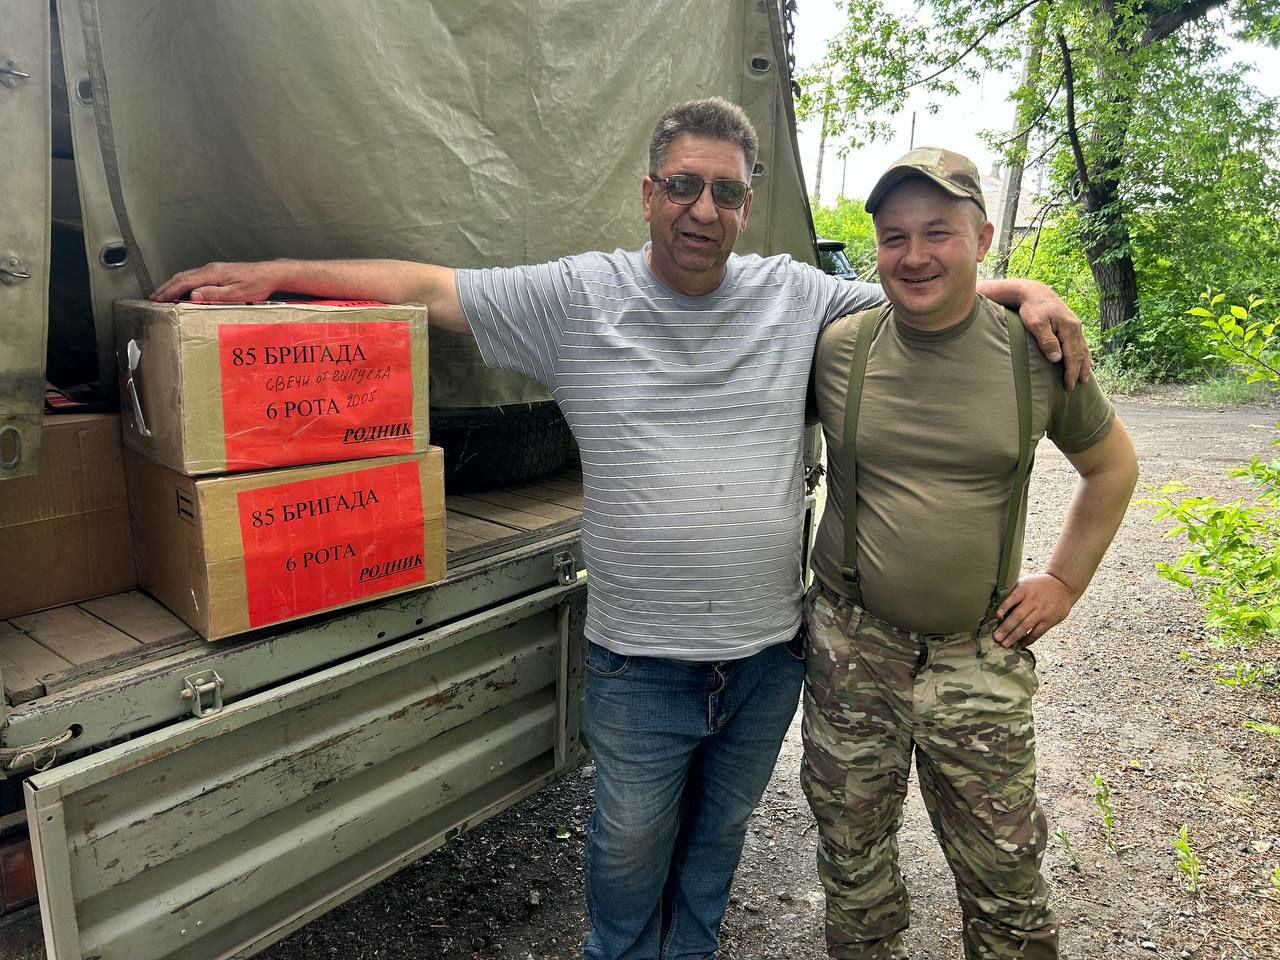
(1017, 828)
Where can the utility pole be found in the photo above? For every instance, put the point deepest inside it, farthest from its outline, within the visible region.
(844, 170)
(822, 146)
(1006, 211)
(911, 143)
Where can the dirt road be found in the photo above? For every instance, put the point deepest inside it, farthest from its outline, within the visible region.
(1127, 691)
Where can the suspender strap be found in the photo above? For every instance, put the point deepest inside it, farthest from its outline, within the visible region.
(1022, 391)
(862, 338)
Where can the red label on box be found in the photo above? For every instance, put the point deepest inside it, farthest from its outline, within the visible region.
(313, 544)
(315, 392)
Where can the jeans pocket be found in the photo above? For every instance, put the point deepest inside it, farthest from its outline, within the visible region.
(603, 662)
(798, 646)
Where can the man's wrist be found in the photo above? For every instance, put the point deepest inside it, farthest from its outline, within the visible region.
(1072, 592)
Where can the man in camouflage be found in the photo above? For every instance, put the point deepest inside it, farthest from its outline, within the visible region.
(920, 627)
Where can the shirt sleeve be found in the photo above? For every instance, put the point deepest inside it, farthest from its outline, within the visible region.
(1079, 419)
(517, 315)
(834, 298)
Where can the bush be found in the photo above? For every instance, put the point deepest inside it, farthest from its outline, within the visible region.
(1232, 561)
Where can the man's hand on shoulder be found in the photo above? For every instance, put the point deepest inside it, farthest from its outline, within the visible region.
(1057, 329)
(1054, 325)
(225, 283)
(1036, 604)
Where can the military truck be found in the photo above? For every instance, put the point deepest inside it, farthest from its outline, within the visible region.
(188, 799)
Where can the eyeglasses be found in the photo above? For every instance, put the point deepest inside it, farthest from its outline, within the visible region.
(686, 189)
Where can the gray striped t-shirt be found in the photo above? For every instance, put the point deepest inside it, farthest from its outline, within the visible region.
(689, 416)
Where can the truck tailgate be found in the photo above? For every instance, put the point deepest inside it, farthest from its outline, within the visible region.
(214, 836)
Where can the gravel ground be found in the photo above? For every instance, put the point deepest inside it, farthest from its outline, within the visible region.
(1127, 691)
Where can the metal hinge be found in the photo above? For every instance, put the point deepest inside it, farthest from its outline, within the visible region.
(10, 74)
(12, 270)
(204, 691)
(566, 566)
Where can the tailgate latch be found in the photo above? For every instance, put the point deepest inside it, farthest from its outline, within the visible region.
(566, 567)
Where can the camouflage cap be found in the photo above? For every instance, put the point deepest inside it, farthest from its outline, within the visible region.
(953, 172)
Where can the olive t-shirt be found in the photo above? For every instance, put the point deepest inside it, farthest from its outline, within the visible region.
(937, 448)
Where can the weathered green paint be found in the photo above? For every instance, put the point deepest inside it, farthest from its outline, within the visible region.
(212, 837)
(25, 151)
(144, 696)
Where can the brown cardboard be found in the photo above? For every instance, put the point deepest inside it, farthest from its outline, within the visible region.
(64, 533)
(195, 556)
(217, 388)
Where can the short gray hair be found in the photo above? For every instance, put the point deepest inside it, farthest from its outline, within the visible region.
(713, 117)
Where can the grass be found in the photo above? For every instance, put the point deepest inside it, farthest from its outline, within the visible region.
(1229, 390)
(1116, 381)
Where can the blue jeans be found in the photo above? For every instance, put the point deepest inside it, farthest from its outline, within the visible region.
(683, 751)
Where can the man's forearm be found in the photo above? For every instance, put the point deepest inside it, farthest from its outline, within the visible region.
(1097, 508)
(1011, 293)
(391, 281)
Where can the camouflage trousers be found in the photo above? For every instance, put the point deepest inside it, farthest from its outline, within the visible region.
(873, 696)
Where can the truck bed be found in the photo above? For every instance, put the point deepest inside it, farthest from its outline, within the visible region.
(51, 651)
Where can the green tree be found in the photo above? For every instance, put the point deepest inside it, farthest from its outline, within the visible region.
(1147, 126)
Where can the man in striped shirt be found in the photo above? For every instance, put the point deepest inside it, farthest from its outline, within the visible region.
(682, 370)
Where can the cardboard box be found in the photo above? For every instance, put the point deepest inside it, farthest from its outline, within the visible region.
(218, 388)
(64, 533)
(234, 553)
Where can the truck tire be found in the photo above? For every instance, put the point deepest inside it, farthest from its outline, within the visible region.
(494, 446)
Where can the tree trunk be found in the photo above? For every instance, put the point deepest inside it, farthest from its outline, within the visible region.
(1113, 272)
(1118, 297)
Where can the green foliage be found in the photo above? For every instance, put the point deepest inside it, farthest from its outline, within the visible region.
(1231, 564)
(1053, 255)
(1240, 336)
(1188, 860)
(1232, 561)
(1270, 729)
(1242, 673)
(1102, 800)
(1275, 877)
(1061, 835)
(1163, 160)
(849, 221)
